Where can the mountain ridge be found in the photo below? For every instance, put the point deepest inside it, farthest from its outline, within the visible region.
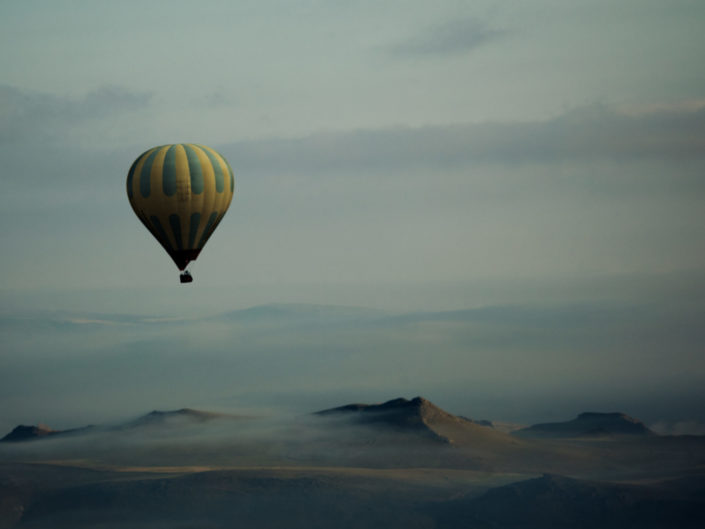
(411, 416)
(419, 416)
(588, 424)
(22, 433)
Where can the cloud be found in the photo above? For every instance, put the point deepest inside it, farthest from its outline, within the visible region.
(679, 428)
(217, 99)
(585, 134)
(67, 144)
(35, 116)
(110, 99)
(453, 37)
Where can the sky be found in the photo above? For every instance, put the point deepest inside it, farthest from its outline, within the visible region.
(411, 157)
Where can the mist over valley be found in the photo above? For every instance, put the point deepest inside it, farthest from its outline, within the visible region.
(404, 462)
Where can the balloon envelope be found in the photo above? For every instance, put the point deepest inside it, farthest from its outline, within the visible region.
(180, 192)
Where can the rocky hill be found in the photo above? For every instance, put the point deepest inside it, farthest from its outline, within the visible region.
(40, 431)
(174, 417)
(588, 424)
(28, 433)
(420, 417)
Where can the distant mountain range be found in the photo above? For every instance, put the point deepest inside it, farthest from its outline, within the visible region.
(153, 419)
(399, 433)
(417, 416)
(297, 313)
(318, 314)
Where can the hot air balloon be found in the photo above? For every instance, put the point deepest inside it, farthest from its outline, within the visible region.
(181, 192)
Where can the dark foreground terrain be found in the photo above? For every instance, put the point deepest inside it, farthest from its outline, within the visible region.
(404, 463)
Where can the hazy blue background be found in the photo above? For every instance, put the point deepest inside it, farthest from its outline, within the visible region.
(538, 165)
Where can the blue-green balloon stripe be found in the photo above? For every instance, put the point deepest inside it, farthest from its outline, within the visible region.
(130, 175)
(151, 229)
(207, 231)
(217, 170)
(169, 172)
(194, 167)
(146, 222)
(161, 234)
(215, 224)
(193, 228)
(145, 186)
(175, 222)
(214, 227)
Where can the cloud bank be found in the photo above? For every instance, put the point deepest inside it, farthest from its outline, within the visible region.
(586, 134)
(449, 38)
(28, 116)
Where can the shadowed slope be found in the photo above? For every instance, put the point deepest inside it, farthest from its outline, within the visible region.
(41, 496)
(555, 501)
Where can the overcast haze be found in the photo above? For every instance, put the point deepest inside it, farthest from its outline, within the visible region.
(539, 165)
